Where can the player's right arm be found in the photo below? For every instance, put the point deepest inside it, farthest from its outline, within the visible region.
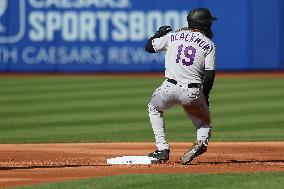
(158, 41)
(210, 61)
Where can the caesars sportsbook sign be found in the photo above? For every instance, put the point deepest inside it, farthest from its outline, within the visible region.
(82, 35)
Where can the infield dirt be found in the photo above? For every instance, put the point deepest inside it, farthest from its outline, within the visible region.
(27, 164)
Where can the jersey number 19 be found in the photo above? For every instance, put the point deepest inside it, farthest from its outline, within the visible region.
(186, 55)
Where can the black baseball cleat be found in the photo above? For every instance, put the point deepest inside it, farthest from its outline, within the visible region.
(197, 149)
(161, 155)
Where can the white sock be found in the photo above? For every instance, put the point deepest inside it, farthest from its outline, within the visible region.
(204, 133)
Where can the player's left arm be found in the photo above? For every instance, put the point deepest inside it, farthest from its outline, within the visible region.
(159, 40)
(210, 61)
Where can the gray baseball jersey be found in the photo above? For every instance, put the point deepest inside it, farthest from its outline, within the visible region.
(188, 54)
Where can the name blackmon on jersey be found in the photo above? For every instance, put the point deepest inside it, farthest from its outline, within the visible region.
(190, 37)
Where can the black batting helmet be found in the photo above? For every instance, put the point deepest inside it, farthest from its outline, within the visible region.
(200, 19)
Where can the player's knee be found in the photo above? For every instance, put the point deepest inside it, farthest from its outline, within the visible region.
(151, 108)
(153, 111)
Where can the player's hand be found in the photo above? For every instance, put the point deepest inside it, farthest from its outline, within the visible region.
(163, 30)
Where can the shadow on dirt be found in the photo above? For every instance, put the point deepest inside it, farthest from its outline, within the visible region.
(50, 167)
(239, 162)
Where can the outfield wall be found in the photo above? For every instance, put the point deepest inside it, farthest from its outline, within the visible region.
(109, 35)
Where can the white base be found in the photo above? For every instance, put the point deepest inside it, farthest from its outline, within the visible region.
(131, 160)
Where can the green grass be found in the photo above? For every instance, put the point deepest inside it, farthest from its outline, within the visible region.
(176, 181)
(94, 109)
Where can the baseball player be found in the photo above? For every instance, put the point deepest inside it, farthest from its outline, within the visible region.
(190, 73)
